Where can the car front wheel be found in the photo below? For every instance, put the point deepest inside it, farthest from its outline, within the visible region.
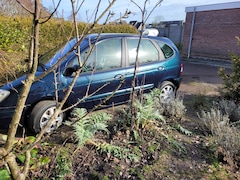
(41, 114)
(168, 91)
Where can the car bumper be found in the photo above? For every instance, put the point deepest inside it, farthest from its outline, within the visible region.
(178, 82)
(6, 115)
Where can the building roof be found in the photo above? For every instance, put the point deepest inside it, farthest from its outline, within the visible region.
(220, 6)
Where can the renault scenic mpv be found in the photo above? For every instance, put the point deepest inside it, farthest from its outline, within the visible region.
(109, 69)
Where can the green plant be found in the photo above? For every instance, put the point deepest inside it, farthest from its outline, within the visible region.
(229, 108)
(200, 101)
(225, 135)
(173, 109)
(63, 163)
(36, 160)
(213, 121)
(146, 111)
(117, 151)
(231, 81)
(175, 144)
(86, 126)
(118, 170)
(13, 35)
(4, 174)
(153, 146)
(183, 130)
(105, 178)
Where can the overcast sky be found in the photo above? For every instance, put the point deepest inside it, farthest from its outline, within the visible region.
(169, 10)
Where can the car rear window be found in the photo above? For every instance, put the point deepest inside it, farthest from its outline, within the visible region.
(167, 50)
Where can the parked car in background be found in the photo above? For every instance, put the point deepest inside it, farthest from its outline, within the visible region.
(109, 69)
(150, 32)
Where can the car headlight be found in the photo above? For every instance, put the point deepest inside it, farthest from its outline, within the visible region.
(3, 94)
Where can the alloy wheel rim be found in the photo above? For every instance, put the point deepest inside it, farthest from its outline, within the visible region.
(167, 94)
(47, 116)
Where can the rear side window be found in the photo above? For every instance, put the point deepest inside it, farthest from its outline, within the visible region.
(167, 51)
(147, 51)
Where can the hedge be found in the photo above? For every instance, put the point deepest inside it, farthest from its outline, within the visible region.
(15, 40)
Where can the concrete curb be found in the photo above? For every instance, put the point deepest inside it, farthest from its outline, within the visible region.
(211, 62)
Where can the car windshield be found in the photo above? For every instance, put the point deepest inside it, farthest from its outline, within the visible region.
(43, 59)
(51, 57)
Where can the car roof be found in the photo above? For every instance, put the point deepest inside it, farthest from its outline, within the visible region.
(111, 35)
(101, 36)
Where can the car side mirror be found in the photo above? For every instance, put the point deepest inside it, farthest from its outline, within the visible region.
(70, 70)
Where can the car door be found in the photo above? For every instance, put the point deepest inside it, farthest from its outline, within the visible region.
(150, 67)
(101, 76)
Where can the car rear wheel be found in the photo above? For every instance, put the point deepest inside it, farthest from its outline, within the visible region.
(41, 114)
(168, 91)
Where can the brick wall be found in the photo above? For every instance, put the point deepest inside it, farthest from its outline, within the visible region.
(214, 33)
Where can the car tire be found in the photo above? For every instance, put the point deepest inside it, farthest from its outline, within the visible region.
(41, 114)
(168, 92)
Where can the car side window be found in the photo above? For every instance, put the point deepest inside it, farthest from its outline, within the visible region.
(109, 54)
(167, 51)
(147, 51)
(105, 55)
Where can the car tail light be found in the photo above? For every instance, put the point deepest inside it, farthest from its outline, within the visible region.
(181, 69)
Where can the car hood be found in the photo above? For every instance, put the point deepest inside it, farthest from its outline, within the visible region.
(17, 83)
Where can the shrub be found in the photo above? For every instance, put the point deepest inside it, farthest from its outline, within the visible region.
(230, 108)
(150, 108)
(225, 135)
(174, 110)
(15, 36)
(86, 126)
(146, 112)
(231, 81)
(11, 66)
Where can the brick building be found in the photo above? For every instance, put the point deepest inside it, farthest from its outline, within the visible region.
(210, 31)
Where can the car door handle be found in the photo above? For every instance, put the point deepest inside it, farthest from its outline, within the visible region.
(160, 68)
(119, 76)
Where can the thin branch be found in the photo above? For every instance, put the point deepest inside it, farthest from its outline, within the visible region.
(97, 8)
(27, 162)
(51, 15)
(78, 9)
(24, 7)
(105, 11)
(157, 4)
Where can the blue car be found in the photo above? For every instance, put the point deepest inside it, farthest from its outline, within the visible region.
(107, 68)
